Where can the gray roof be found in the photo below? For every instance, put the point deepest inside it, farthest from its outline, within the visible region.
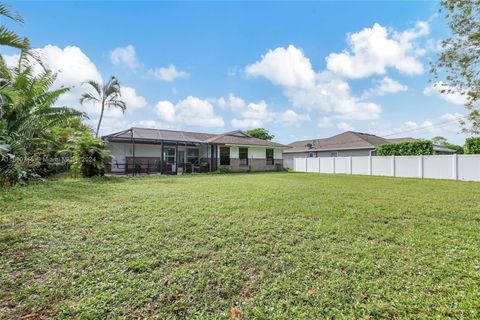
(343, 141)
(350, 140)
(400, 140)
(155, 135)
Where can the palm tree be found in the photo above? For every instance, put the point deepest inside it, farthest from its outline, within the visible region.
(8, 37)
(107, 96)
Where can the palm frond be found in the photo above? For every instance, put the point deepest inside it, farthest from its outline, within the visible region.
(95, 85)
(11, 39)
(88, 97)
(9, 12)
(118, 104)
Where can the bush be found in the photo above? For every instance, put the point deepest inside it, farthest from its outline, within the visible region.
(222, 169)
(411, 148)
(472, 145)
(90, 156)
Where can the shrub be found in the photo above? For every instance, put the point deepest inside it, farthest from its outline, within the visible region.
(411, 148)
(472, 145)
(222, 169)
(90, 156)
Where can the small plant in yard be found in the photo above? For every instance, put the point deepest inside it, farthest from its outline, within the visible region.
(222, 170)
(90, 156)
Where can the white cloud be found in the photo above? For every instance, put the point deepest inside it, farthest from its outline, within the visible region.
(344, 126)
(447, 123)
(169, 74)
(373, 50)
(152, 124)
(452, 116)
(233, 103)
(325, 122)
(257, 111)
(332, 94)
(324, 91)
(385, 86)
(285, 67)
(290, 117)
(124, 56)
(165, 110)
(246, 123)
(252, 114)
(73, 67)
(190, 111)
(132, 100)
(445, 92)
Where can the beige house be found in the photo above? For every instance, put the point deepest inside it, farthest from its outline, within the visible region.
(142, 150)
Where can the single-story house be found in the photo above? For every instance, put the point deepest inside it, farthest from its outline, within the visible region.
(345, 144)
(168, 151)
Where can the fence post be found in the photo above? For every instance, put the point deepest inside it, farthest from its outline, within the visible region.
(455, 166)
(318, 164)
(306, 164)
(393, 167)
(370, 164)
(350, 164)
(421, 166)
(334, 165)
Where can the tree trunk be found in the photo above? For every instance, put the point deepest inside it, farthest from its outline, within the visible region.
(100, 119)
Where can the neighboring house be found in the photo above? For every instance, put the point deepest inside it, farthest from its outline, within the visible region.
(345, 144)
(168, 151)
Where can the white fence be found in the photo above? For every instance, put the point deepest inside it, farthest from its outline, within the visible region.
(456, 167)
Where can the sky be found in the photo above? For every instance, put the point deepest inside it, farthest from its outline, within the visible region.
(300, 69)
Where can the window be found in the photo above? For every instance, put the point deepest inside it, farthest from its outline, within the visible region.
(269, 156)
(169, 155)
(243, 155)
(311, 155)
(224, 156)
(192, 155)
(334, 154)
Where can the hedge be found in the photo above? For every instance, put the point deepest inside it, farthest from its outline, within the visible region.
(411, 148)
(472, 145)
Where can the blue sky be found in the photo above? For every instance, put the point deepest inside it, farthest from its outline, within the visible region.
(300, 69)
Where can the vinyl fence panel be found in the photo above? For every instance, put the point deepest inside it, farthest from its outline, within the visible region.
(342, 165)
(461, 167)
(382, 166)
(313, 165)
(326, 165)
(468, 167)
(407, 167)
(300, 164)
(439, 167)
(361, 165)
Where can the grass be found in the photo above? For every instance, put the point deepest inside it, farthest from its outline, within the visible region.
(246, 246)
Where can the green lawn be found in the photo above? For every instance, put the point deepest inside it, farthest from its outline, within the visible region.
(251, 246)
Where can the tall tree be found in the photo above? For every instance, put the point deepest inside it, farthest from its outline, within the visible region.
(439, 140)
(108, 96)
(260, 133)
(8, 37)
(458, 66)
